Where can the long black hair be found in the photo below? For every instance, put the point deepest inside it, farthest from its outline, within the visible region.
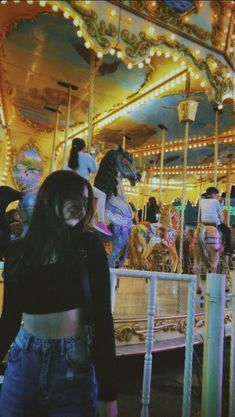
(77, 146)
(49, 235)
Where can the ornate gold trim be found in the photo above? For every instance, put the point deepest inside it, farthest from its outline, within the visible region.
(127, 329)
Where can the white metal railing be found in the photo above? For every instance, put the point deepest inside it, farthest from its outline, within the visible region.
(232, 355)
(153, 278)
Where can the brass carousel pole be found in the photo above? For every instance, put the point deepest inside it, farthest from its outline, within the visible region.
(70, 87)
(91, 100)
(164, 129)
(58, 112)
(187, 112)
(216, 147)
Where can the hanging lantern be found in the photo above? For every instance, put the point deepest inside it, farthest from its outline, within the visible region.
(187, 110)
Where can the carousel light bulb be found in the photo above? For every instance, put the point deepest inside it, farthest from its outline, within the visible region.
(100, 54)
(130, 65)
(16, 1)
(113, 12)
(140, 65)
(175, 58)
(87, 2)
(172, 37)
(159, 53)
(119, 54)
(167, 54)
(197, 52)
(66, 15)
(87, 45)
(76, 22)
(55, 8)
(202, 84)
(79, 33)
(148, 60)
(197, 76)
(151, 52)
(151, 30)
(112, 51)
(4, 2)
(42, 3)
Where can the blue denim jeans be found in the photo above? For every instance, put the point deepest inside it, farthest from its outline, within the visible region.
(49, 377)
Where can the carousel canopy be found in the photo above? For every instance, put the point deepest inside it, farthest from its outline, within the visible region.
(132, 58)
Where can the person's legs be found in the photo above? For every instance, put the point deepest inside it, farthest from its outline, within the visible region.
(72, 388)
(20, 391)
(101, 199)
(227, 238)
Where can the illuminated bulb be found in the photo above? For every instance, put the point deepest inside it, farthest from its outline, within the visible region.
(16, 1)
(140, 65)
(100, 54)
(55, 8)
(87, 1)
(79, 33)
(5, 2)
(175, 58)
(197, 52)
(202, 84)
(42, 3)
(113, 12)
(151, 30)
(167, 54)
(112, 51)
(119, 54)
(151, 53)
(159, 53)
(76, 22)
(231, 50)
(148, 60)
(87, 45)
(214, 65)
(197, 76)
(66, 15)
(172, 37)
(228, 75)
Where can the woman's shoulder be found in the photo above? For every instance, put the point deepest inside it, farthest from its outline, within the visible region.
(91, 238)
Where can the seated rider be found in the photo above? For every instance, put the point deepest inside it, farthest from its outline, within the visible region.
(211, 215)
(83, 163)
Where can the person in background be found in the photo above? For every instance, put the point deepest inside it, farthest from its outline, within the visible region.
(84, 164)
(7, 196)
(135, 218)
(57, 276)
(152, 210)
(211, 214)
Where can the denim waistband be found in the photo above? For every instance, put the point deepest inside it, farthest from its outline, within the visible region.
(27, 341)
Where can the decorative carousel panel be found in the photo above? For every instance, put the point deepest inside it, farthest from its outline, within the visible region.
(28, 168)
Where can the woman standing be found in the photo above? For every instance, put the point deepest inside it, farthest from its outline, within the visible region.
(51, 368)
(83, 163)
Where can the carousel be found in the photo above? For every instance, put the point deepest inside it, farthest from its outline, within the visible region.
(149, 85)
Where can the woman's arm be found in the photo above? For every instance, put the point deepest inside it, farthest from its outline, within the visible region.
(104, 344)
(11, 314)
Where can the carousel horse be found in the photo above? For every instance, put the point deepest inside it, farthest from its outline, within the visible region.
(146, 239)
(116, 165)
(208, 247)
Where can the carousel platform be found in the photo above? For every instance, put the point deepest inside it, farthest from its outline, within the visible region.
(130, 315)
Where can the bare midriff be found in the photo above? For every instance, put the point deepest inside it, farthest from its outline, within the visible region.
(54, 325)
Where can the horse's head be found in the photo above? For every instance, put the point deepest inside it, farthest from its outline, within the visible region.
(124, 162)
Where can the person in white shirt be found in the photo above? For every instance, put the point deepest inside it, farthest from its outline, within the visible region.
(211, 214)
(84, 164)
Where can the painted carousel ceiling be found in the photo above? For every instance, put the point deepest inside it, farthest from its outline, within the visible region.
(132, 95)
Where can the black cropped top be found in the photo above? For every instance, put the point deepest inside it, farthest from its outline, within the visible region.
(57, 287)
